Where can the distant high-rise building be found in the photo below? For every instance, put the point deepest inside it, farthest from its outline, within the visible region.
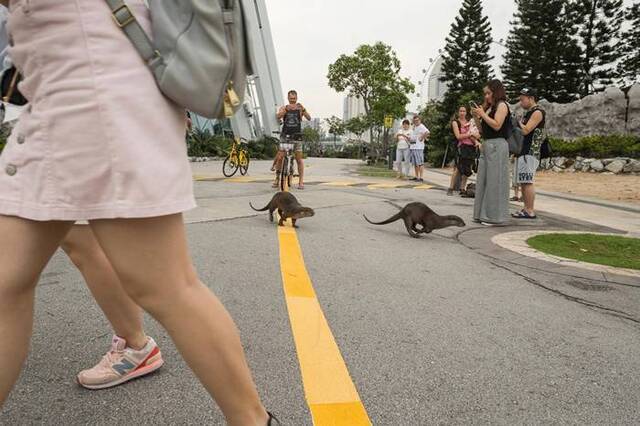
(352, 107)
(314, 123)
(436, 89)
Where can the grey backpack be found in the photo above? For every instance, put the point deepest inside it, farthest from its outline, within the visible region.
(199, 53)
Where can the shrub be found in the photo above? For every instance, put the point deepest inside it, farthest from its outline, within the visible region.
(597, 146)
(202, 143)
(263, 149)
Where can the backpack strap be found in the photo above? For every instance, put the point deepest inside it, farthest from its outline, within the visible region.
(126, 20)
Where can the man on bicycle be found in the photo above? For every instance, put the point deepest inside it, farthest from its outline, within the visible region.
(291, 136)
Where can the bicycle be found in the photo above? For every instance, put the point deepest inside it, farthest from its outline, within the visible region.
(237, 159)
(288, 162)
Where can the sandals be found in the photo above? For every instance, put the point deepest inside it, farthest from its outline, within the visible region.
(514, 199)
(300, 186)
(273, 421)
(523, 214)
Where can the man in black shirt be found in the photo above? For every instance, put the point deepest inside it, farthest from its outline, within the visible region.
(527, 162)
(291, 116)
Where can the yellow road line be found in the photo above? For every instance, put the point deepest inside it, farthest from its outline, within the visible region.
(385, 185)
(331, 395)
(425, 186)
(339, 183)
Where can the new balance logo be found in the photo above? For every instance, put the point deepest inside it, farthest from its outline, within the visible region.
(124, 367)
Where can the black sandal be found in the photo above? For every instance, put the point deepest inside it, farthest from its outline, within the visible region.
(273, 421)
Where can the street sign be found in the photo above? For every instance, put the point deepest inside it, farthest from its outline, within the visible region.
(388, 121)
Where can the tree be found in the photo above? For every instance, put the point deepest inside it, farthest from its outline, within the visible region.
(371, 73)
(311, 137)
(336, 126)
(629, 49)
(599, 23)
(357, 126)
(541, 54)
(466, 61)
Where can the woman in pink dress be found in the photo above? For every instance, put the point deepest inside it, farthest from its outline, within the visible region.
(100, 143)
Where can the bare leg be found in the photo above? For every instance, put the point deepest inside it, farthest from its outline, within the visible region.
(529, 196)
(151, 258)
(463, 183)
(278, 165)
(25, 248)
(124, 315)
(454, 177)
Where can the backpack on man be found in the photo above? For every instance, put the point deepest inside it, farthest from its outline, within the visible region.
(199, 55)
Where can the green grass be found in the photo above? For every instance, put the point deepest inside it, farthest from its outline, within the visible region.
(621, 252)
(375, 171)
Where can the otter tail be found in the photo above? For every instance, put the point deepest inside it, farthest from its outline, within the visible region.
(390, 220)
(259, 210)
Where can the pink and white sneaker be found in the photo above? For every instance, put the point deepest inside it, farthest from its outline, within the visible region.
(121, 364)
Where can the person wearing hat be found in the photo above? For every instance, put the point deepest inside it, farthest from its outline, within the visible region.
(527, 162)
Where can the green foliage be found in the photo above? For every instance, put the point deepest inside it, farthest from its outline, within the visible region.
(597, 147)
(311, 138)
(202, 143)
(611, 250)
(336, 125)
(352, 151)
(263, 149)
(466, 63)
(599, 23)
(629, 48)
(357, 126)
(372, 73)
(541, 52)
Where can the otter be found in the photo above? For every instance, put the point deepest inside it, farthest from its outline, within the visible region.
(288, 207)
(415, 214)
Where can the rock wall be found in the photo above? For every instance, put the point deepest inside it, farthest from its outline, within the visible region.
(605, 113)
(579, 164)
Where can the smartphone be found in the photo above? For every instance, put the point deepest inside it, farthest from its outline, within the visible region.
(473, 104)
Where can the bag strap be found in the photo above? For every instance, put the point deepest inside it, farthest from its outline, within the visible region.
(126, 20)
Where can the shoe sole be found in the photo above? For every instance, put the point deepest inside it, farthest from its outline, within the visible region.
(133, 375)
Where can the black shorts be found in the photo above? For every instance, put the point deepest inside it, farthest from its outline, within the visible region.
(465, 166)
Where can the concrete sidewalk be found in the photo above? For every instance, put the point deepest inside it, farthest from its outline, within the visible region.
(621, 216)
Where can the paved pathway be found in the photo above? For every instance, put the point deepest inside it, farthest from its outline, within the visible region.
(343, 321)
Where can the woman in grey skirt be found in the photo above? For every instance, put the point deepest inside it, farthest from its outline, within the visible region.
(492, 185)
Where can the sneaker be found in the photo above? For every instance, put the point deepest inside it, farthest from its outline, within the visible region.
(449, 192)
(121, 364)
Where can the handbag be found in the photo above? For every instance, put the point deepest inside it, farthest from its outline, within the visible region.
(514, 135)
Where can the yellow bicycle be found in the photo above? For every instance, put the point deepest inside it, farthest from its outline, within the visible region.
(237, 159)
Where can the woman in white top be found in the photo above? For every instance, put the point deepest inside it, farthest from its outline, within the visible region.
(402, 149)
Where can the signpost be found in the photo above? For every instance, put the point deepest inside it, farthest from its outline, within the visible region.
(388, 124)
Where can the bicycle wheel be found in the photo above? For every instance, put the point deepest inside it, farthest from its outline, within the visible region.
(243, 161)
(284, 172)
(230, 166)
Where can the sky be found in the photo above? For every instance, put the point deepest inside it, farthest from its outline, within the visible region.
(309, 35)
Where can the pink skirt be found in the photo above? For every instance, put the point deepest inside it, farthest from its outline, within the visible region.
(98, 139)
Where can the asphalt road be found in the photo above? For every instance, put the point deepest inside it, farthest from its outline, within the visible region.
(431, 330)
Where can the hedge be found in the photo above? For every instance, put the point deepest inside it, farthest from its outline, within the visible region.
(597, 147)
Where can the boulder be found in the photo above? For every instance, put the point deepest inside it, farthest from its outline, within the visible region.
(577, 165)
(560, 162)
(557, 169)
(607, 161)
(545, 164)
(597, 166)
(632, 166)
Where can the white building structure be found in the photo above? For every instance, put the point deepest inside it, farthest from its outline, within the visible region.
(436, 89)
